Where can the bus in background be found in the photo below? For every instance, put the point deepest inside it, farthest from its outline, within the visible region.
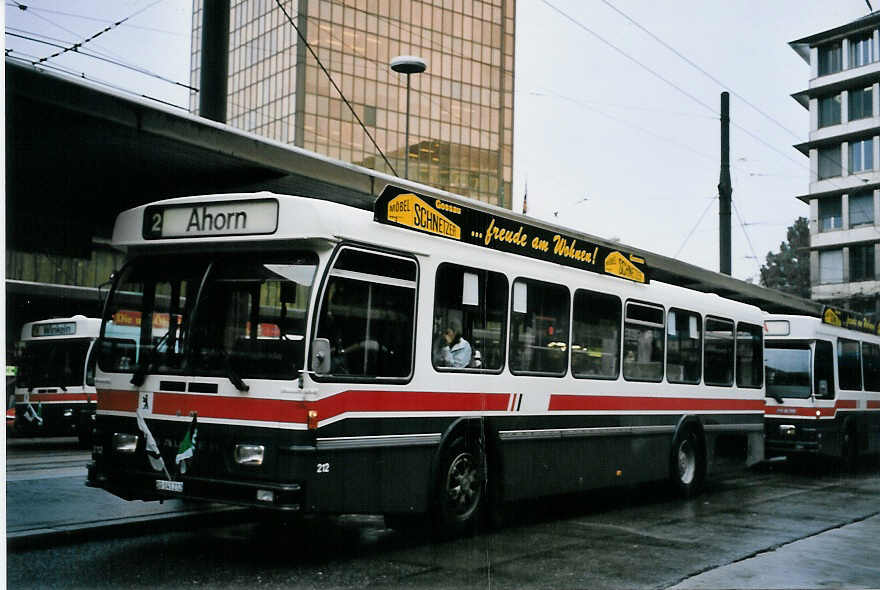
(823, 386)
(436, 357)
(52, 393)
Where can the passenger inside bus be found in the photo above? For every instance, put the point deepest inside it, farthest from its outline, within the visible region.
(457, 351)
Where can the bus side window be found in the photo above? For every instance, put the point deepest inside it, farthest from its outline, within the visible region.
(871, 360)
(849, 364)
(684, 346)
(473, 302)
(539, 328)
(718, 358)
(595, 345)
(823, 370)
(643, 342)
(749, 356)
(368, 315)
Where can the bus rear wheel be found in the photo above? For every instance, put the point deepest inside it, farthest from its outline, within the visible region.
(459, 494)
(687, 463)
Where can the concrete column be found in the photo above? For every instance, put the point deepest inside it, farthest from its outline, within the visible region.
(844, 106)
(876, 193)
(814, 62)
(814, 267)
(875, 143)
(844, 55)
(814, 165)
(875, 98)
(814, 215)
(844, 211)
(844, 159)
(846, 278)
(814, 114)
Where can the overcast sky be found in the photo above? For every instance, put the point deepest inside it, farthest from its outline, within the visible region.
(615, 134)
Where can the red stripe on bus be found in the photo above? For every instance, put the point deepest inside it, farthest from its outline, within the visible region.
(874, 405)
(783, 410)
(613, 402)
(60, 397)
(231, 408)
(847, 403)
(116, 400)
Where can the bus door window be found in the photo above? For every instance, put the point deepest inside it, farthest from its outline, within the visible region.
(749, 356)
(871, 366)
(684, 346)
(368, 315)
(595, 344)
(643, 342)
(718, 356)
(539, 328)
(472, 303)
(823, 370)
(849, 364)
(788, 370)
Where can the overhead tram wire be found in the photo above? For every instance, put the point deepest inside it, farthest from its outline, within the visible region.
(699, 69)
(696, 225)
(746, 234)
(104, 59)
(29, 59)
(338, 89)
(32, 9)
(76, 46)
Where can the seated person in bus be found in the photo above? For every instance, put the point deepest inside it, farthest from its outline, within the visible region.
(457, 351)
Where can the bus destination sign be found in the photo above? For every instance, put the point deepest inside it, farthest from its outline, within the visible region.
(850, 320)
(396, 206)
(56, 329)
(204, 220)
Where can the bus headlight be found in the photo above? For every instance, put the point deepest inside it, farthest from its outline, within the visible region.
(125, 443)
(249, 454)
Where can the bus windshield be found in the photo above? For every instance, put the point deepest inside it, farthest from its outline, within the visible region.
(53, 363)
(233, 315)
(788, 371)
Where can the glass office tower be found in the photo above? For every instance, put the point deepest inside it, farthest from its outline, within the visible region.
(461, 111)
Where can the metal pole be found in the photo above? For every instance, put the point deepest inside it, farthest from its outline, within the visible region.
(406, 154)
(215, 60)
(724, 188)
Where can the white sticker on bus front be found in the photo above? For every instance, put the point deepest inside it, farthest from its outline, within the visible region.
(221, 219)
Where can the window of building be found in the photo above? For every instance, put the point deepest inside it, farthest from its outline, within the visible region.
(861, 263)
(718, 359)
(539, 328)
(595, 343)
(830, 267)
(861, 50)
(829, 110)
(849, 364)
(749, 355)
(368, 315)
(684, 346)
(470, 316)
(861, 155)
(830, 216)
(871, 365)
(860, 104)
(643, 343)
(829, 162)
(830, 58)
(861, 208)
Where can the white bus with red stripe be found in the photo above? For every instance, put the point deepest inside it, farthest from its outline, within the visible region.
(53, 395)
(823, 386)
(309, 350)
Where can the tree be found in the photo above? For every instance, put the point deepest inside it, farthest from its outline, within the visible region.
(789, 270)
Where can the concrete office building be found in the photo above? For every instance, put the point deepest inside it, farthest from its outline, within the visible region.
(843, 98)
(461, 113)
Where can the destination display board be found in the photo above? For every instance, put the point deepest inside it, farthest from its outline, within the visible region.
(57, 329)
(849, 319)
(199, 220)
(402, 208)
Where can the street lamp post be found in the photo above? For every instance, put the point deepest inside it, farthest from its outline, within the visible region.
(408, 64)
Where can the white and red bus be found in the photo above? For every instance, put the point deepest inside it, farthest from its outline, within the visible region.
(823, 386)
(436, 356)
(53, 390)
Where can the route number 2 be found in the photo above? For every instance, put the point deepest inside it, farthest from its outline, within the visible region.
(323, 468)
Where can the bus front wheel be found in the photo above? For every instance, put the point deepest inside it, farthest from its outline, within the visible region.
(687, 462)
(460, 491)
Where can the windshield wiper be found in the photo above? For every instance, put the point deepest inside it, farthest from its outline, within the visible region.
(777, 397)
(141, 371)
(231, 374)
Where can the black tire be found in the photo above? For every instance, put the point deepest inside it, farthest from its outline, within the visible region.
(460, 492)
(687, 462)
(849, 449)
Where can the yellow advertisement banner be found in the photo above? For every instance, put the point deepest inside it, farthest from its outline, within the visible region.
(413, 212)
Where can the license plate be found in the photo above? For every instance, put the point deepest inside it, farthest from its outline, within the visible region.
(169, 486)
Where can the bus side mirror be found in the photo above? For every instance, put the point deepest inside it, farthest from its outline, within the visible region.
(320, 356)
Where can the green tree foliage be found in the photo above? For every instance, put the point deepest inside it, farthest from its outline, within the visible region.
(789, 269)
